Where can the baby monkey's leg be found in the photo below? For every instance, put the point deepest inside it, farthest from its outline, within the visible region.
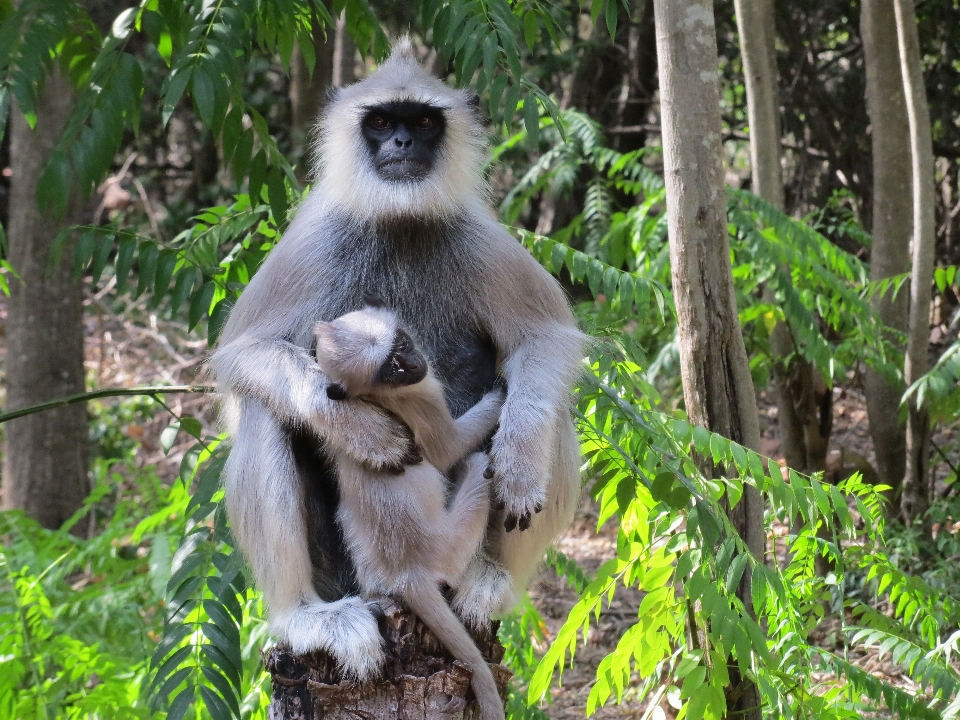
(467, 517)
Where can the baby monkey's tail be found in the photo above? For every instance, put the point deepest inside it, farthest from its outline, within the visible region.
(427, 603)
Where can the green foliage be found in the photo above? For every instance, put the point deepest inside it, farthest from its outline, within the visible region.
(203, 659)
(76, 615)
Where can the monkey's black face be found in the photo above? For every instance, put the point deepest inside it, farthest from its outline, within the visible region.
(404, 139)
(405, 366)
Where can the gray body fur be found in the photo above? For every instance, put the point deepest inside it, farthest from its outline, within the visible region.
(478, 304)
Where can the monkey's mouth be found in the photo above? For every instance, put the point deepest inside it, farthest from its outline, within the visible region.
(403, 169)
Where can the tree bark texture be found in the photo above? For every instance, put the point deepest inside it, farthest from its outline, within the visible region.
(717, 387)
(892, 221)
(46, 455)
(915, 498)
(420, 680)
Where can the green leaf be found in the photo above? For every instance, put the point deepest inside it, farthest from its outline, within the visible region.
(200, 302)
(258, 171)
(166, 263)
(497, 87)
(182, 287)
(216, 321)
(127, 248)
(215, 705)
(169, 436)
(611, 18)
(277, 195)
(241, 158)
(531, 30)
(662, 485)
(104, 246)
(148, 267)
(84, 250)
(735, 572)
(204, 95)
(531, 119)
(181, 704)
(175, 85)
(510, 103)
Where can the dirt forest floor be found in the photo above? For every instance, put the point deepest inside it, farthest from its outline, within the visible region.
(140, 348)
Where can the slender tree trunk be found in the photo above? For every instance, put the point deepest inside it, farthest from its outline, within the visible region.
(915, 499)
(803, 398)
(308, 91)
(717, 387)
(641, 77)
(344, 55)
(892, 221)
(46, 455)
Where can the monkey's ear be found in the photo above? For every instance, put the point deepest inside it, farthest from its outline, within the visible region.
(373, 300)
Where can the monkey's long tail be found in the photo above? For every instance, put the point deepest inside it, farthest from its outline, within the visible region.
(426, 601)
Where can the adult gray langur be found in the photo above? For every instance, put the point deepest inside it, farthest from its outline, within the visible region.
(400, 209)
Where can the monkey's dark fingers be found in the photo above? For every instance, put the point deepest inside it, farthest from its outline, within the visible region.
(488, 474)
(538, 509)
(520, 522)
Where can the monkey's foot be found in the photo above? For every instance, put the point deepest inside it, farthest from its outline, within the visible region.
(485, 590)
(347, 629)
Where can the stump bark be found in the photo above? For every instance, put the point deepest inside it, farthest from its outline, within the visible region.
(420, 679)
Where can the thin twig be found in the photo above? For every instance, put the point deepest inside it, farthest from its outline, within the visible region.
(107, 392)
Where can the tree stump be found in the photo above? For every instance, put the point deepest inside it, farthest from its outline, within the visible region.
(420, 679)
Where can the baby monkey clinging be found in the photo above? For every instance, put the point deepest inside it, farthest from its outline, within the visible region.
(402, 537)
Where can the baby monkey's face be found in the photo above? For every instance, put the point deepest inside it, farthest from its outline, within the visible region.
(367, 350)
(405, 365)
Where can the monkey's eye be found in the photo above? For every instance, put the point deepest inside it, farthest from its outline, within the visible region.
(378, 122)
(425, 123)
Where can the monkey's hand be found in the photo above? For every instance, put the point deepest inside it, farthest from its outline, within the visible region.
(367, 433)
(519, 485)
(347, 629)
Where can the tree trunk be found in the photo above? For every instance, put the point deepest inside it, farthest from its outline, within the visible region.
(892, 221)
(717, 387)
(308, 92)
(46, 454)
(803, 398)
(344, 55)
(420, 681)
(641, 77)
(915, 499)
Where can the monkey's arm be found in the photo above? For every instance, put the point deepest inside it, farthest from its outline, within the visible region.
(541, 351)
(539, 373)
(287, 380)
(470, 430)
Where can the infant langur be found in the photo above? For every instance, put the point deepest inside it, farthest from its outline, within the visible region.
(401, 535)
